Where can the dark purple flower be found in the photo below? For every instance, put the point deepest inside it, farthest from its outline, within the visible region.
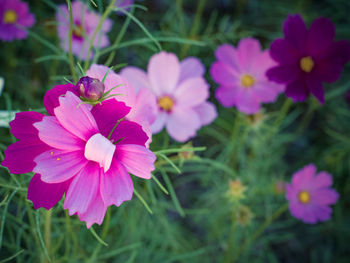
(307, 57)
(90, 89)
(14, 14)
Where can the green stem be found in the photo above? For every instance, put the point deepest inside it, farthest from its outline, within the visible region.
(119, 38)
(70, 55)
(47, 236)
(231, 242)
(98, 28)
(260, 231)
(195, 26)
(233, 138)
(280, 118)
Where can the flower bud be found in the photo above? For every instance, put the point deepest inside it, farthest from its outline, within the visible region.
(90, 89)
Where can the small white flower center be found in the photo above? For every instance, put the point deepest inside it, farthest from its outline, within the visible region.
(99, 149)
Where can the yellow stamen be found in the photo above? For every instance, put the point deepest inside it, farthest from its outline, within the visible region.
(58, 159)
(304, 197)
(78, 31)
(247, 81)
(51, 153)
(307, 64)
(10, 17)
(166, 103)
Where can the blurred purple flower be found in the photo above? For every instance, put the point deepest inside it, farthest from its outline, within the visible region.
(14, 14)
(310, 195)
(124, 4)
(240, 72)
(180, 91)
(85, 23)
(307, 57)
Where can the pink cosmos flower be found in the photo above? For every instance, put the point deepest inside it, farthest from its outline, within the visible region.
(81, 151)
(310, 195)
(240, 72)
(14, 14)
(307, 57)
(180, 91)
(142, 102)
(85, 23)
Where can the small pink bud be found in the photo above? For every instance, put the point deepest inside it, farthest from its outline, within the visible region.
(90, 89)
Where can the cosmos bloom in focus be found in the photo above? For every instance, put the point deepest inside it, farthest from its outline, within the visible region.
(307, 57)
(13, 15)
(81, 151)
(310, 195)
(85, 23)
(180, 91)
(142, 102)
(240, 72)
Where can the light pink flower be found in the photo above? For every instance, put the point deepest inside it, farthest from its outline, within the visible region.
(142, 102)
(79, 151)
(180, 91)
(240, 72)
(85, 23)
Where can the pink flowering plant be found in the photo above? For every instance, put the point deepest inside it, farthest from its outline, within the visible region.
(174, 131)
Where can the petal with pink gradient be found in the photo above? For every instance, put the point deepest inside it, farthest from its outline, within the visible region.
(138, 160)
(248, 102)
(60, 138)
(83, 189)
(227, 54)
(45, 195)
(228, 96)
(129, 132)
(182, 124)
(159, 123)
(56, 166)
(206, 112)
(116, 185)
(51, 96)
(76, 118)
(137, 77)
(224, 74)
(191, 67)
(95, 212)
(248, 49)
(145, 108)
(163, 73)
(108, 113)
(191, 92)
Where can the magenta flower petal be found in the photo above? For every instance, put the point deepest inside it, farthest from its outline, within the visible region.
(128, 132)
(316, 88)
(224, 74)
(61, 139)
(56, 166)
(51, 96)
(45, 195)
(320, 36)
(182, 124)
(310, 195)
(295, 31)
(297, 90)
(137, 77)
(163, 73)
(191, 67)
(248, 102)
(192, 92)
(95, 212)
(19, 157)
(138, 160)
(83, 189)
(116, 185)
(227, 96)
(79, 122)
(206, 112)
(228, 55)
(283, 74)
(248, 49)
(108, 113)
(284, 52)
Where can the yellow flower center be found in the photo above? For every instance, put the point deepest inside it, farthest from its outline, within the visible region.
(78, 31)
(307, 64)
(247, 81)
(10, 17)
(304, 197)
(166, 103)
